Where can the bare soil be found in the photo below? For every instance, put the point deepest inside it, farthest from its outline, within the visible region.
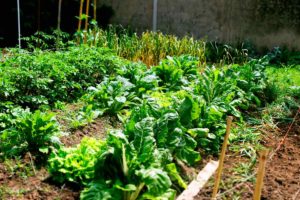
(19, 181)
(97, 129)
(282, 178)
(282, 181)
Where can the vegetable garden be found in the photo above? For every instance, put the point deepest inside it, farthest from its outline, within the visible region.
(162, 103)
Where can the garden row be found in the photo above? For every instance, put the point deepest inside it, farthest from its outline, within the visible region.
(169, 112)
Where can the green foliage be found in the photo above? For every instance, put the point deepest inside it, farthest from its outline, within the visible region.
(283, 56)
(46, 77)
(32, 132)
(10, 114)
(175, 73)
(44, 41)
(136, 166)
(75, 164)
(149, 47)
(216, 52)
(168, 112)
(112, 96)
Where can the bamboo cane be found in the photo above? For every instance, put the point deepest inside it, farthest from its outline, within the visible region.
(95, 10)
(80, 15)
(95, 19)
(86, 20)
(222, 157)
(260, 174)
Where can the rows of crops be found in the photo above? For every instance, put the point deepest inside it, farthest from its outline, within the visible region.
(169, 114)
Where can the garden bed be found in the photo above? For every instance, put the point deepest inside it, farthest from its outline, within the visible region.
(282, 175)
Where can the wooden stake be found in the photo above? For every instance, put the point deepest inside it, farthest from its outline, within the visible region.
(80, 20)
(222, 157)
(95, 10)
(86, 20)
(95, 18)
(196, 185)
(260, 175)
(80, 15)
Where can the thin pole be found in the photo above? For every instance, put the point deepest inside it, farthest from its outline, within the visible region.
(95, 19)
(86, 20)
(154, 15)
(95, 10)
(39, 22)
(80, 15)
(80, 20)
(222, 157)
(59, 15)
(19, 23)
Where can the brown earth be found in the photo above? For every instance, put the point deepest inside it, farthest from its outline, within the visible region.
(97, 129)
(282, 178)
(19, 181)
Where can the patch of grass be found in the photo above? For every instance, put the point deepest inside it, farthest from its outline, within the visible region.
(245, 140)
(4, 191)
(17, 167)
(283, 92)
(284, 76)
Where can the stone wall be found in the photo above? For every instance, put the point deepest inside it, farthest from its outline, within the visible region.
(266, 23)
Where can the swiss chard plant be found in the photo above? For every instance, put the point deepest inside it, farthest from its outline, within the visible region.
(33, 132)
(112, 96)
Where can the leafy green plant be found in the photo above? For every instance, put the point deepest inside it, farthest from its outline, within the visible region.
(75, 164)
(135, 166)
(84, 116)
(33, 132)
(44, 41)
(44, 78)
(176, 73)
(112, 96)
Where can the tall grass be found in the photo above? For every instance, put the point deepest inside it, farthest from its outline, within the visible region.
(149, 47)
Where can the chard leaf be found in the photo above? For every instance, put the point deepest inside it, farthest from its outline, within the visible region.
(198, 132)
(175, 176)
(100, 190)
(156, 180)
(188, 155)
(185, 111)
(170, 194)
(144, 141)
(126, 188)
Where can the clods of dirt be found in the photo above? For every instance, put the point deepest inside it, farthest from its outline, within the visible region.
(23, 184)
(282, 176)
(97, 129)
(282, 179)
